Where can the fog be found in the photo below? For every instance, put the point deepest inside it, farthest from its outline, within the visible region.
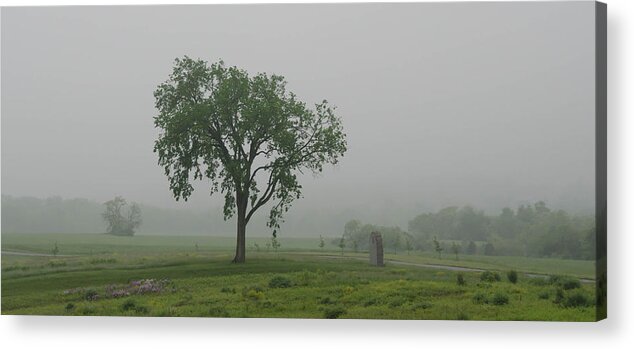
(488, 104)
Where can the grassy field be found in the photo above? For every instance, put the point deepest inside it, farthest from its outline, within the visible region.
(168, 276)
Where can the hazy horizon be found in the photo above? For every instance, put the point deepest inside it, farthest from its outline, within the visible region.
(482, 104)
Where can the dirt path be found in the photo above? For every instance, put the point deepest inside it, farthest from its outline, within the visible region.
(451, 267)
(33, 254)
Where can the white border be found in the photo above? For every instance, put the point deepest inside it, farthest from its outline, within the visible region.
(616, 332)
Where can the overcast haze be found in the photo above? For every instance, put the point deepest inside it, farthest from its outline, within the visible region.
(488, 104)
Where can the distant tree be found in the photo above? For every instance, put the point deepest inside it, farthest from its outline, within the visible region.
(541, 209)
(275, 243)
(120, 221)
(246, 134)
(471, 224)
(342, 244)
(489, 249)
(356, 233)
(395, 241)
(408, 245)
(355, 245)
(526, 213)
(351, 227)
(471, 248)
(257, 247)
(506, 224)
(55, 249)
(437, 247)
(196, 246)
(322, 243)
(455, 248)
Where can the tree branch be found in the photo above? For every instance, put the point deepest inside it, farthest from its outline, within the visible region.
(268, 194)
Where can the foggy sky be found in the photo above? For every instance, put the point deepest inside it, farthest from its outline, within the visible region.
(488, 104)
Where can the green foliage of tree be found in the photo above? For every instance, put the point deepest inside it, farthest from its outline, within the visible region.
(247, 135)
(322, 242)
(121, 221)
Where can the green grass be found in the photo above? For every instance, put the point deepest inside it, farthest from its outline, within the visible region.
(292, 283)
(72, 244)
(579, 268)
(126, 247)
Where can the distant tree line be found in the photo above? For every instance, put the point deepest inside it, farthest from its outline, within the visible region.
(530, 230)
(24, 215)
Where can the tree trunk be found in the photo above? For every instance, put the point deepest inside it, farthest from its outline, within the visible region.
(241, 231)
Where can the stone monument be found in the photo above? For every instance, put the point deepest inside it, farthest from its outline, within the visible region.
(376, 249)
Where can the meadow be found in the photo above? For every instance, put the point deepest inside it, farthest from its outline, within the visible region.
(192, 276)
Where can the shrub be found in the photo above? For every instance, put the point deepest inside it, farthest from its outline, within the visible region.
(500, 299)
(480, 298)
(91, 294)
(559, 296)
(566, 282)
(279, 282)
(69, 306)
(512, 276)
(577, 299)
(543, 294)
(460, 280)
(128, 305)
(334, 313)
(570, 283)
(490, 276)
(226, 289)
(254, 293)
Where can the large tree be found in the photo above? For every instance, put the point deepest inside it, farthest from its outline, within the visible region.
(121, 221)
(246, 135)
